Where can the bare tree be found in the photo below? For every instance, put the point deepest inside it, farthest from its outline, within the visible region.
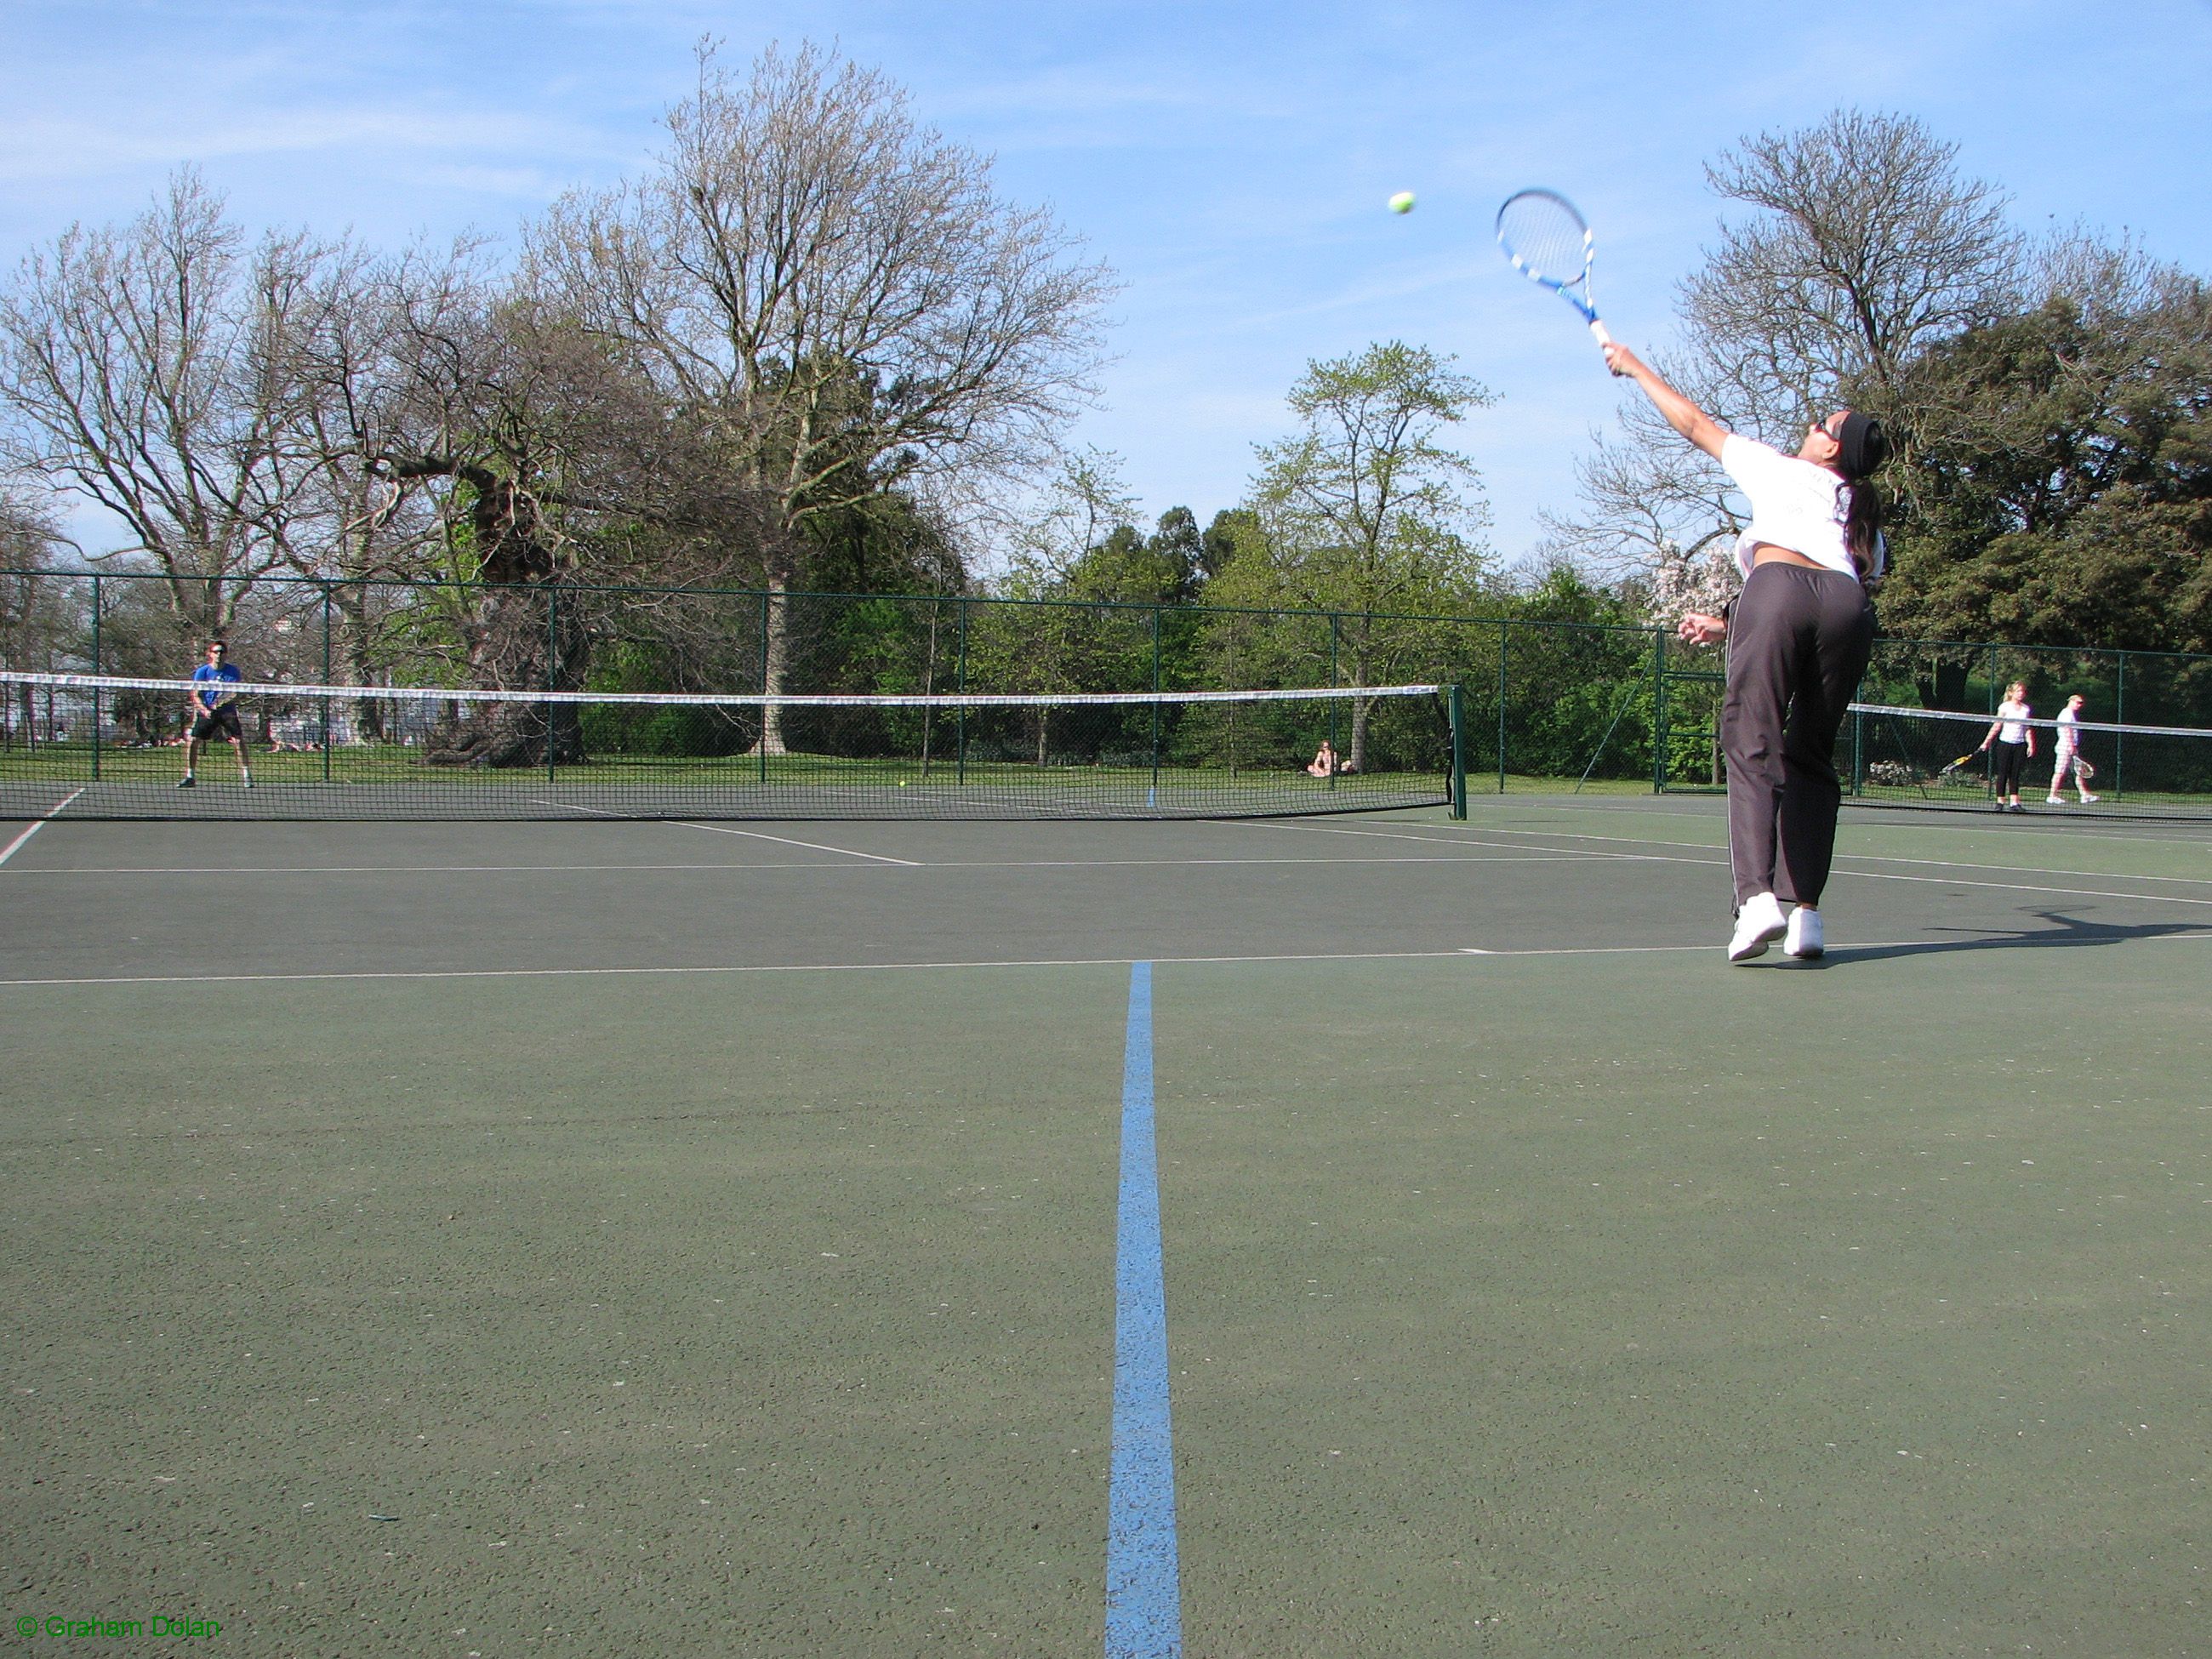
(1868, 245)
(149, 368)
(40, 618)
(835, 295)
(1865, 247)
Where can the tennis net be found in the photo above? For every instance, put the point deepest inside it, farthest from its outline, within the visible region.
(1925, 758)
(114, 747)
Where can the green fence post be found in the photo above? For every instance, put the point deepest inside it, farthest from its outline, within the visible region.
(1336, 731)
(1455, 711)
(1153, 795)
(95, 669)
(2120, 738)
(760, 749)
(960, 718)
(552, 668)
(1659, 710)
(326, 680)
(1504, 644)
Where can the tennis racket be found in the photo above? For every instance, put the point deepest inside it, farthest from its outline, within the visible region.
(1549, 243)
(1949, 767)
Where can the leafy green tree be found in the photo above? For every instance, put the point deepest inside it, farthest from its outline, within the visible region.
(2064, 495)
(1363, 511)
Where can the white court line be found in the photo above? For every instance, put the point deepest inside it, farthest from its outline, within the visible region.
(1862, 858)
(786, 841)
(723, 829)
(2031, 943)
(1936, 820)
(1524, 855)
(1454, 840)
(335, 974)
(1858, 875)
(716, 968)
(9, 851)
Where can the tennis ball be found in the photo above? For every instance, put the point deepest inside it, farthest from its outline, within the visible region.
(1403, 202)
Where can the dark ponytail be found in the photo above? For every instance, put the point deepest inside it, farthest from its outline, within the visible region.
(1862, 446)
(1863, 526)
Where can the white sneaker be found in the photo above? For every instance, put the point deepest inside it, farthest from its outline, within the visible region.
(1803, 939)
(2090, 800)
(1758, 924)
(2054, 800)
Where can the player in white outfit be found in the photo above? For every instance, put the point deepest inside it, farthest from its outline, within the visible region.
(2066, 751)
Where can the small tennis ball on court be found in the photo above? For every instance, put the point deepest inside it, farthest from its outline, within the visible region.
(1403, 202)
(902, 783)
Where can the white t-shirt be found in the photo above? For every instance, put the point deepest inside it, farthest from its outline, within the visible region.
(1793, 504)
(2068, 733)
(2015, 717)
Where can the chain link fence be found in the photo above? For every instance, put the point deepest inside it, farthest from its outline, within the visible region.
(1546, 704)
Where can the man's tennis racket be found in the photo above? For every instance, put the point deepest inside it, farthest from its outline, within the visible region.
(1549, 242)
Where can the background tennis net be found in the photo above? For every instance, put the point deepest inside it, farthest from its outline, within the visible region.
(111, 746)
(1904, 757)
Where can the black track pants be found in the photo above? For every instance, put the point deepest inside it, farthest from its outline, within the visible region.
(1798, 641)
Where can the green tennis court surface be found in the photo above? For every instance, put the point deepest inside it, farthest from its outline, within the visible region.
(583, 1238)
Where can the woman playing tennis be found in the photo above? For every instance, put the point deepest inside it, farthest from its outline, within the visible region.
(2012, 740)
(1799, 635)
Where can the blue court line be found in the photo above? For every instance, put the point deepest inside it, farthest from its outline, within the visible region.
(1143, 1592)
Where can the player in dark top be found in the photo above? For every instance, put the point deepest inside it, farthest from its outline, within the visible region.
(215, 713)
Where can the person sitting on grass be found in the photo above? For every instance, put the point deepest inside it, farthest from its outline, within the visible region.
(1324, 763)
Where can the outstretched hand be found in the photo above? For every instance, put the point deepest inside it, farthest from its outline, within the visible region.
(1621, 361)
(1700, 629)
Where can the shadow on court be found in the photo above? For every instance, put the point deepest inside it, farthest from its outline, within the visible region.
(2064, 933)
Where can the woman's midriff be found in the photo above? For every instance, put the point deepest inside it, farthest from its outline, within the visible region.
(1768, 553)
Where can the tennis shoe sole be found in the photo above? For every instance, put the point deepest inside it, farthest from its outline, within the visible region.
(1758, 924)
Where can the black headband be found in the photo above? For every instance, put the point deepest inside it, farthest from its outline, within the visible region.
(1862, 446)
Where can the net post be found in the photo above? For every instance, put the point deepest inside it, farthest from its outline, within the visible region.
(1455, 712)
(1504, 644)
(960, 720)
(1659, 709)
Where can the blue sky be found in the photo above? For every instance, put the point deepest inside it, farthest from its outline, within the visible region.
(1229, 160)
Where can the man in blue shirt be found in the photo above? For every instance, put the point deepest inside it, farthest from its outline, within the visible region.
(215, 713)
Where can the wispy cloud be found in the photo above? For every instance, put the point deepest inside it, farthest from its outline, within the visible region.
(48, 147)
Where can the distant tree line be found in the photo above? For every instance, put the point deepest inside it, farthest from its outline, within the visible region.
(786, 355)
(810, 349)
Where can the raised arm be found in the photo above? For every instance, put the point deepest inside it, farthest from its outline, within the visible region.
(1685, 416)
